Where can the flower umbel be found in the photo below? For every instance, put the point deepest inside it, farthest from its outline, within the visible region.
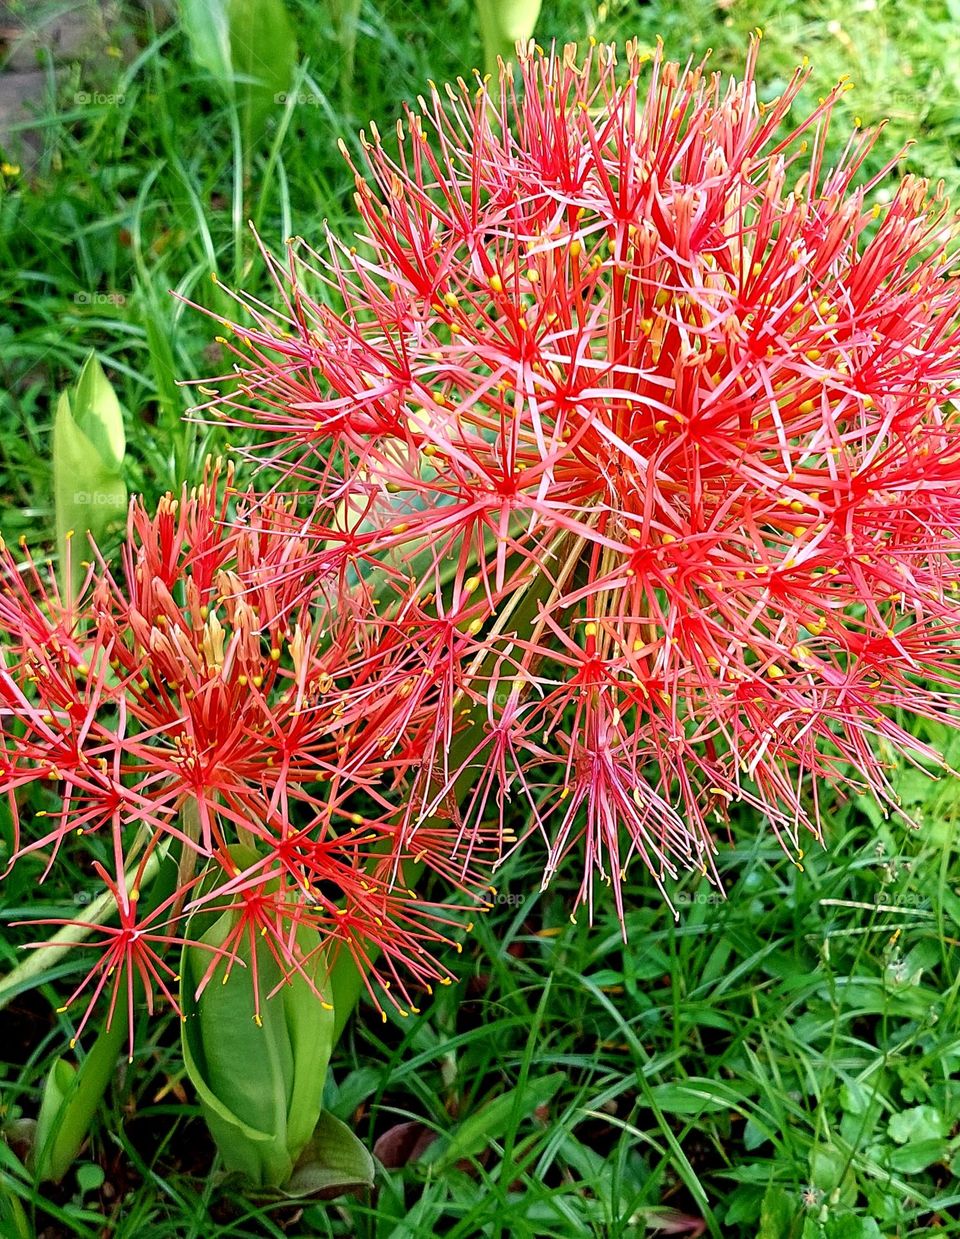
(192, 709)
(646, 418)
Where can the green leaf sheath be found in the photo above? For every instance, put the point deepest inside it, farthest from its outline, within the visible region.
(503, 23)
(88, 450)
(70, 1100)
(259, 1075)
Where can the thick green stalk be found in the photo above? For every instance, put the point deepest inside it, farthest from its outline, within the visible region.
(518, 615)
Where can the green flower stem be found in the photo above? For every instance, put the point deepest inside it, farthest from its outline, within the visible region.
(190, 824)
(346, 978)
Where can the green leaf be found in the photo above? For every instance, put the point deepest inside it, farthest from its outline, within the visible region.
(503, 23)
(88, 492)
(259, 1079)
(743, 1205)
(310, 1026)
(90, 1177)
(346, 986)
(920, 1123)
(264, 53)
(56, 1089)
(97, 413)
(855, 1098)
(70, 1100)
(753, 1136)
(158, 328)
(334, 1161)
(346, 14)
(849, 1226)
(691, 1098)
(490, 1122)
(918, 1155)
(830, 1171)
(249, 47)
(777, 1214)
(344, 1096)
(14, 1223)
(207, 26)
(241, 1071)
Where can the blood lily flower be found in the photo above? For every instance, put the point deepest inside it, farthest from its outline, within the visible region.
(190, 710)
(645, 418)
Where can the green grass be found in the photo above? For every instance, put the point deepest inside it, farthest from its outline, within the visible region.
(785, 1063)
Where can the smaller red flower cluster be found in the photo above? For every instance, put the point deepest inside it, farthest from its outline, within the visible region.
(194, 699)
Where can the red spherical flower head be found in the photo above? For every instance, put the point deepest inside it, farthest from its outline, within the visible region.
(655, 415)
(194, 703)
